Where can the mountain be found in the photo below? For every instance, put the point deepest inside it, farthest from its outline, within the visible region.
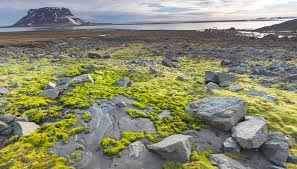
(290, 25)
(48, 16)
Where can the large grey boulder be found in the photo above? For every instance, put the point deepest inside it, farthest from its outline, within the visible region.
(221, 112)
(230, 145)
(224, 162)
(276, 149)
(82, 79)
(174, 148)
(251, 133)
(137, 125)
(137, 156)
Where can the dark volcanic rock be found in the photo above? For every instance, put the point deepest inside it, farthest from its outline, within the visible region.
(49, 16)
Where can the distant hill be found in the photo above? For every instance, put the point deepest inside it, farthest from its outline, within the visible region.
(48, 16)
(290, 25)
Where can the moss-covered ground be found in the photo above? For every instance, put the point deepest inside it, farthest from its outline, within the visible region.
(26, 78)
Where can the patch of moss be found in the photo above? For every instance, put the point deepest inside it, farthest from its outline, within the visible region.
(86, 117)
(199, 160)
(136, 113)
(112, 146)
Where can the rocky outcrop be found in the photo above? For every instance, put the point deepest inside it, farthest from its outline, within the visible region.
(221, 112)
(252, 133)
(49, 16)
(174, 148)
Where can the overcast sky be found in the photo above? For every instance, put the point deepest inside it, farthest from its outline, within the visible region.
(154, 10)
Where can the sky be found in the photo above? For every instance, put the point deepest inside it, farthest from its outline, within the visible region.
(123, 11)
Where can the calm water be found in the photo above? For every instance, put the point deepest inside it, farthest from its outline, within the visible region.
(176, 26)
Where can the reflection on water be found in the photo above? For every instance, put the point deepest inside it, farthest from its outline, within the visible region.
(176, 26)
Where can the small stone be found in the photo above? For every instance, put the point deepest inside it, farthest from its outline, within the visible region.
(50, 85)
(125, 82)
(220, 78)
(181, 78)
(230, 145)
(26, 128)
(263, 95)
(292, 159)
(174, 148)
(83, 79)
(211, 86)
(252, 133)
(235, 87)
(51, 93)
(165, 114)
(3, 91)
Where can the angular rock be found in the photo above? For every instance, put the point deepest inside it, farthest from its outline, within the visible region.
(136, 156)
(230, 145)
(292, 159)
(125, 82)
(50, 93)
(225, 162)
(83, 79)
(3, 91)
(211, 86)
(276, 149)
(221, 112)
(25, 128)
(251, 133)
(174, 148)
(137, 125)
(220, 78)
(210, 140)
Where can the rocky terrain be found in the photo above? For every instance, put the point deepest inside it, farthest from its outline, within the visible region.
(290, 25)
(126, 100)
(49, 16)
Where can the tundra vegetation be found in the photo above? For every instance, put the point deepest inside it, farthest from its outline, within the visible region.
(26, 78)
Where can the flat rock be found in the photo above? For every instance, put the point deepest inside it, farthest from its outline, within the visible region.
(220, 112)
(50, 93)
(137, 125)
(276, 149)
(136, 156)
(174, 148)
(224, 162)
(83, 79)
(251, 133)
(3, 91)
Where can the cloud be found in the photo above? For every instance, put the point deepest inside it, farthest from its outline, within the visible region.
(157, 10)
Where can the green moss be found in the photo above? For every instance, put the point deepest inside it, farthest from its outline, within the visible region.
(112, 147)
(199, 160)
(136, 113)
(172, 165)
(86, 117)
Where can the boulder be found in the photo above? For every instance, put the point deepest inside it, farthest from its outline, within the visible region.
(230, 145)
(50, 93)
(224, 162)
(136, 156)
(210, 140)
(83, 79)
(221, 112)
(124, 82)
(220, 78)
(25, 128)
(137, 125)
(3, 91)
(276, 149)
(174, 148)
(251, 133)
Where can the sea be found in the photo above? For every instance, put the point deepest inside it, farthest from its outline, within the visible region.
(243, 25)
